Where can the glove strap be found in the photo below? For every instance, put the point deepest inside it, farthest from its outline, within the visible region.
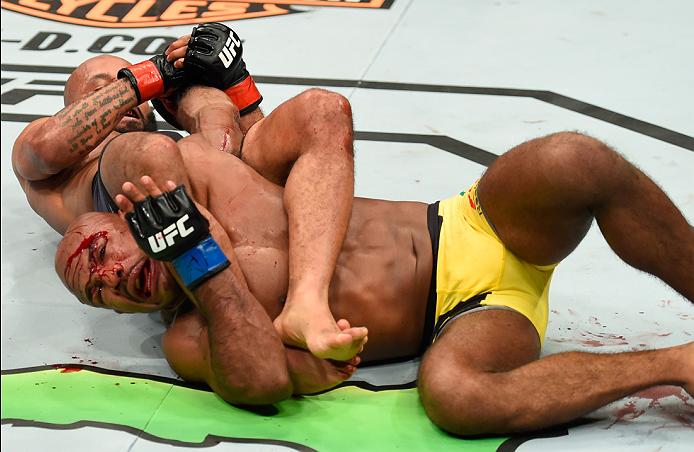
(245, 95)
(145, 78)
(200, 263)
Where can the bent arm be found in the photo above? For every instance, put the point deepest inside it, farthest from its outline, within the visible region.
(209, 112)
(246, 362)
(50, 145)
(186, 346)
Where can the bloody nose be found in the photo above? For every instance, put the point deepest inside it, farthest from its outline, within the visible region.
(112, 277)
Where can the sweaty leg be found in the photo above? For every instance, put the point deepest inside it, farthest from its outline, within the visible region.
(483, 377)
(313, 130)
(542, 196)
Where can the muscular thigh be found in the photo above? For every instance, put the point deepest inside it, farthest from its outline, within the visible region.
(463, 374)
(482, 341)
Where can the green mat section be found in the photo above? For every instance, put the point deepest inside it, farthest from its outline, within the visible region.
(347, 418)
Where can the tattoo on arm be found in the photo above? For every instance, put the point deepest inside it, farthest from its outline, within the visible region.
(92, 119)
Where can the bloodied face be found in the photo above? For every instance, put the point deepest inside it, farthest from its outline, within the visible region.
(100, 263)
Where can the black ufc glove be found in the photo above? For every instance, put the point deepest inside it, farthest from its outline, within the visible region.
(169, 227)
(155, 77)
(214, 58)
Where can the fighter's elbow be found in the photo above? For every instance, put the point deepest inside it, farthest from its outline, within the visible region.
(34, 161)
(258, 391)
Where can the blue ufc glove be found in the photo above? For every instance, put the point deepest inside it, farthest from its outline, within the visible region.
(169, 227)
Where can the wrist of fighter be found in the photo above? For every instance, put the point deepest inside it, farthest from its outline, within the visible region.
(245, 95)
(168, 107)
(170, 228)
(200, 263)
(146, 80)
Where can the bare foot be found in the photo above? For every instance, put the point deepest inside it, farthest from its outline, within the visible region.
(311, 375)
(318, 333)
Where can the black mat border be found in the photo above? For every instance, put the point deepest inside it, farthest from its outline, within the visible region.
(209, 441)
(568, 103)
(509, 445)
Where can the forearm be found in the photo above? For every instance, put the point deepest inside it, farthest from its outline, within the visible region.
(247, 360)
(197, 100)
(81, 126)
(209, 112)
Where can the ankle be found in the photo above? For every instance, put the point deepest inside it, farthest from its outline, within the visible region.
(310, 295)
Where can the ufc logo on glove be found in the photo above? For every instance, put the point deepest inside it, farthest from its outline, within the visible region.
(161, 240)
(195, 256)
(228, 52)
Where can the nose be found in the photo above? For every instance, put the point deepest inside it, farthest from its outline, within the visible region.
(112, 277)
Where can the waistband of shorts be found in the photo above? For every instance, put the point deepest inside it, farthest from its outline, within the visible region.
(101, 199)
(434, 222)
(474, 211)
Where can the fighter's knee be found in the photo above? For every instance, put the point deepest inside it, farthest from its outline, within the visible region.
(140, 148)
(129, 158)
(259, 392)
(157, 153)
(581, 150)
(455, 402)
(326, 107)
(158, 146)
(582, 159)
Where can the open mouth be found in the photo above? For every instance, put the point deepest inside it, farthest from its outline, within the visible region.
(134, 113)
(141, 280)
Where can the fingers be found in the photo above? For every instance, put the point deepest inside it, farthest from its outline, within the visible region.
(177, 44)
(176, 51)
(151, 187)
(132, 194)
(124, 203)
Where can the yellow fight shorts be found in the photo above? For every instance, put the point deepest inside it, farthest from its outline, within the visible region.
(474, 271)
